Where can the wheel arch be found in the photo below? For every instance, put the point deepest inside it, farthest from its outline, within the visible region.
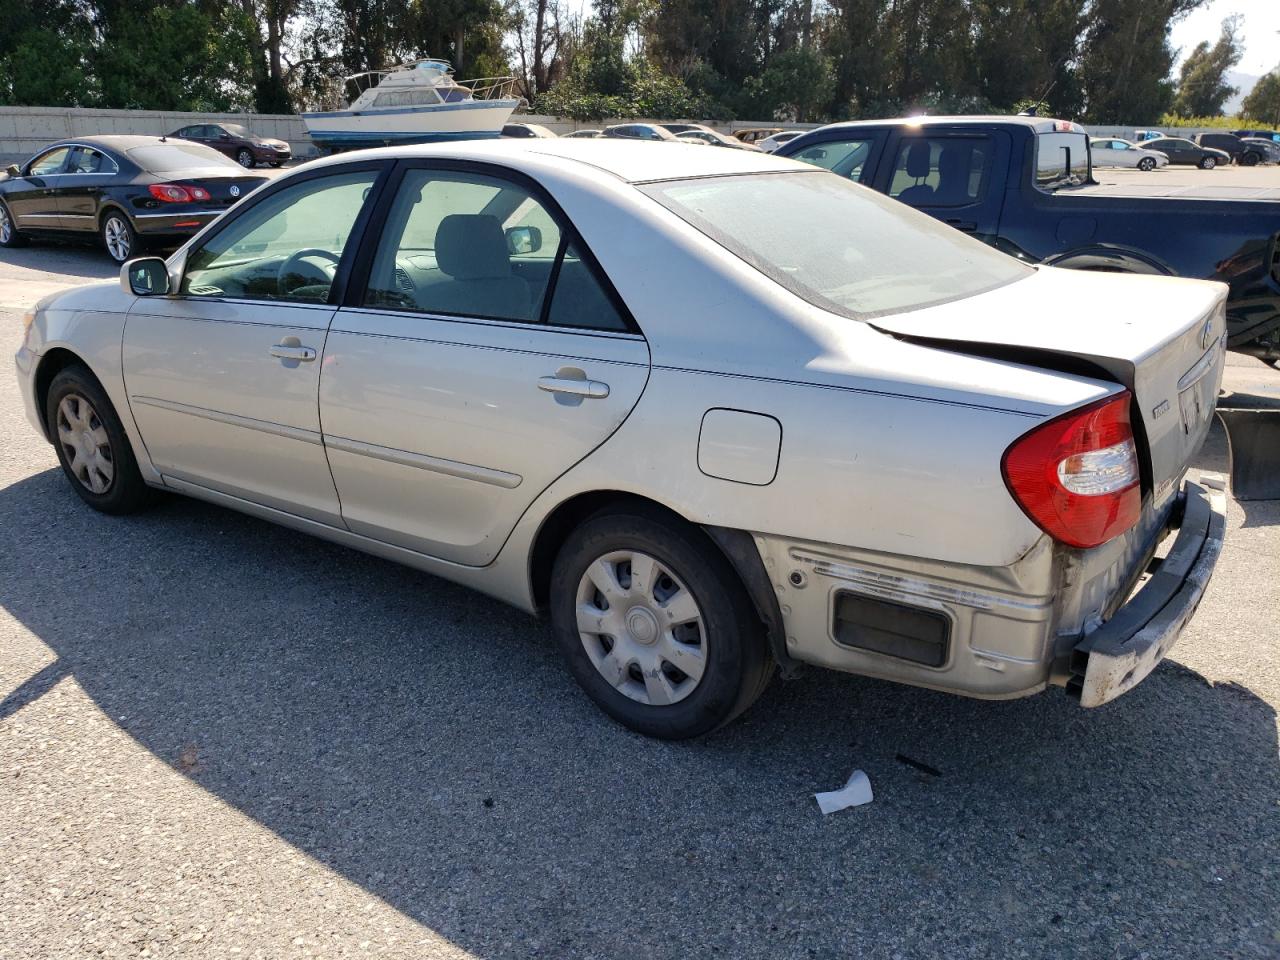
(1104, 257)
(737, 546)
(51, 364)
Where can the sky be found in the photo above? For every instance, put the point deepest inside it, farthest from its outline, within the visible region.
(1261, 31)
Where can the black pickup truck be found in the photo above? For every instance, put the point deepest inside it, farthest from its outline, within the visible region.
(1025, 185)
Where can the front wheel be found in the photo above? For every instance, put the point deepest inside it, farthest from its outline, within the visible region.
(118, 236)
(1147, 164)
(9, 235)
(656, 626)
(1208, 163)
(91, 443)
(1249, 160)
(244, 158)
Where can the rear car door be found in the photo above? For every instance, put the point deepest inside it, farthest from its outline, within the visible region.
(88, 172)
(473, 362)
(956, 175)
(223, 376)
(32, 197)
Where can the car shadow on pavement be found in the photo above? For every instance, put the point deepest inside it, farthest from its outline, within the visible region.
(424, 742)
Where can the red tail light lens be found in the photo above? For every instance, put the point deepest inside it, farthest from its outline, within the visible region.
(177, 193)
(1077, 475)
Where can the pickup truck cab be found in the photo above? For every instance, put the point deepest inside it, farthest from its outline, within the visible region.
(1025, 185)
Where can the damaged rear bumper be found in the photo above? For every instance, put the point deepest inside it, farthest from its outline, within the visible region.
(1116, 656)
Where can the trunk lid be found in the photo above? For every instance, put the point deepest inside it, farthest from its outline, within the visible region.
(1162, 337)
(220, 188)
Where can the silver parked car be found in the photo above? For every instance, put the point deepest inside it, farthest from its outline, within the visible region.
(1114, 152)
(719, 413)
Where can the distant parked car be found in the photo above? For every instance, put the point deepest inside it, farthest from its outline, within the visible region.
(527, 130)
(123, 191)
(584, 134)
(756, 134)
(1270, 149)
(639, 131)
(1114, 152)
(237, 142)
(1142, 136)
(679, 128)
(770, 144)
(713, 139)
(1182, 151)
(1241, 152)
(1272, 135)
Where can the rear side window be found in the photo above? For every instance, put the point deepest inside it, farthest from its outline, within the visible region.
(1062, 160)
(941, 171)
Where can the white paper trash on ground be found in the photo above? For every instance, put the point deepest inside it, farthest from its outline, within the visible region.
(853, 794)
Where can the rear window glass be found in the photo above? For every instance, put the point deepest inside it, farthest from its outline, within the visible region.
(1062, 160)
(840, 246)
(173, 156)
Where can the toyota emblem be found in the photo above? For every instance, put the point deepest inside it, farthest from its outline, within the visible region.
(1206, 335)
(235, 192)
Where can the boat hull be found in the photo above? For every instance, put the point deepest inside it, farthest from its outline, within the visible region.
(349, 129)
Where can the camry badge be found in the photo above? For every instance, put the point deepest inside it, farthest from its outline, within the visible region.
(1159, 410)
(235, 191)
(1206, 335)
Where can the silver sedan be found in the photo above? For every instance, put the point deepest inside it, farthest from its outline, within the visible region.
(718, 414)
(1114, 152)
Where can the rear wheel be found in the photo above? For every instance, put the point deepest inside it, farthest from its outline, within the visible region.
(656, 626)
(1147, 164)
(1249, 159)
(119, 237)
(91, 444)
(9, 235)
(1208, 163)
(244, 157)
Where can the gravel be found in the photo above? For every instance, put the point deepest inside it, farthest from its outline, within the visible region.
(221, 738)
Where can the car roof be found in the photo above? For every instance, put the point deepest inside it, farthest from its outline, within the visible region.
(114, 142)
(635, 161)
(1037, 124)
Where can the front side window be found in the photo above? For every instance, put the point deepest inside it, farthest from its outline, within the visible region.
(48, 163)
(848, 158)
(840, 246)
(286, 247)
(940, 171)
(462, 244)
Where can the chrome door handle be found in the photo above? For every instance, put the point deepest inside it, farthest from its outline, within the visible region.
(288, 351)
(574, 387)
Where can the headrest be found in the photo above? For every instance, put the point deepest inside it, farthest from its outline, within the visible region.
(950, 162)
(472, 246)
(918, 159)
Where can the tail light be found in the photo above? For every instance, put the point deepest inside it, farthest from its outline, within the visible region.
(1077, 475)
(177, 193)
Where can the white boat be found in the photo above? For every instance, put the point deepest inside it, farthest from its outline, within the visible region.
(417, 102)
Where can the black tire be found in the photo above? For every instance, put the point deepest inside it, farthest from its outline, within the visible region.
(10, 236)
(125, 491)
(1249, 159)
(1208, 163)
(118, 237)
(1272, 362)
(244, 157)
(1147, 164)
(737, 662)
(277, 164)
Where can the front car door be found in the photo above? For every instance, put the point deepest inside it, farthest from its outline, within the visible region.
(32, 197)
(954, 175)
(88, 172)
(852, 154)
(479, 354)
(223, 376)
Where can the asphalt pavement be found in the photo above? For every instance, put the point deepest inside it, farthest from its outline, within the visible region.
(220, 738)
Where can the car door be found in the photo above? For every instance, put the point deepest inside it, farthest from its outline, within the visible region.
(955, 175)
(468, 369)
(853, 154)
(32, 196)
(223, 376)
(88, 172)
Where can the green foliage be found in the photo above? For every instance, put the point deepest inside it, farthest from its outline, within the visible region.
(1219, 122)
(1202, 85)
(796, 85)
(1262, 105)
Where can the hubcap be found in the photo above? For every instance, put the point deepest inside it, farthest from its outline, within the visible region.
(246, 158)
(117, 235)
(85, 443)
(641, 628)
(6, 228)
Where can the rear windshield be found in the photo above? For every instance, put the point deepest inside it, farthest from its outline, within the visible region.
(1062, 160)
(840, 246)
(175, 156)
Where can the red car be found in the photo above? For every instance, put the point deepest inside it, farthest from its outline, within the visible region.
(237, 143)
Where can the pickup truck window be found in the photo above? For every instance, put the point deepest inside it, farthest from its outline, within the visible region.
(845, 157)
(941, 171)
(1062, 160)
(838, 245)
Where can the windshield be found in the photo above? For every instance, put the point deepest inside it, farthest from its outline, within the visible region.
(176, 156)
(838, 245)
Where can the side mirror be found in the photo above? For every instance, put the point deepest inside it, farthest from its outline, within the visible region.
(13, 170)
(523, 240)
(145, 277)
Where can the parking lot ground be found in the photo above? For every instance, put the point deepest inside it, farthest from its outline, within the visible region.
(220, 738)
(1261, 182)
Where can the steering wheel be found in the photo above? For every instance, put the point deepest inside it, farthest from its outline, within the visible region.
(292, 269)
